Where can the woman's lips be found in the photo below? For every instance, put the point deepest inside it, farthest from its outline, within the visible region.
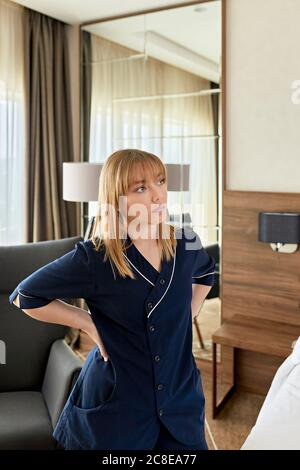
(161, 207)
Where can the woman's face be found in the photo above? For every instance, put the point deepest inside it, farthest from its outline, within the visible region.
(147, 200)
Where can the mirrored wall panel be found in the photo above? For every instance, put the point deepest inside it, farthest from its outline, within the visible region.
(152, 81)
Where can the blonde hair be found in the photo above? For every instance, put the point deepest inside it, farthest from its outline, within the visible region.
(116, 177)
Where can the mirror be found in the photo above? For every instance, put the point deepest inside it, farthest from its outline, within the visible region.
(152, 81)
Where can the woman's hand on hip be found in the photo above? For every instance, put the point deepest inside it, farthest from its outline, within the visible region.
(93, 333)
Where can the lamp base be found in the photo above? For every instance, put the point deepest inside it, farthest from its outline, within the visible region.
(284, 247)
(89, 228)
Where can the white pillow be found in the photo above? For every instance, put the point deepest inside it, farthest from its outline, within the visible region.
(278, 423)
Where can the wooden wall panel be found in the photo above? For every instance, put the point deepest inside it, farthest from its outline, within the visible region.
(255, 280)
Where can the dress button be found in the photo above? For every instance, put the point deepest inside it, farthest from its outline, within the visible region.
(162, 281)
(151, 328)
(157, 358)
(160, 387)
(150, 305)
(161, 412)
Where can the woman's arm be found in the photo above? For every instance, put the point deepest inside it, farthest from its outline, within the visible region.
(200, 292)
(62, 313)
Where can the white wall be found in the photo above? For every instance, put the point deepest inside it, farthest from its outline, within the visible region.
(263, 124)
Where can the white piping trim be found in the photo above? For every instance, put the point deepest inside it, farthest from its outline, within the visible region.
(211, 435)
(24, 295)
(208, 274)
(138, 270)
(112, 269)
(167, 287)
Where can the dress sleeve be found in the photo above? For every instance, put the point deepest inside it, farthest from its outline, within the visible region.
(69, 277)
(203, 265)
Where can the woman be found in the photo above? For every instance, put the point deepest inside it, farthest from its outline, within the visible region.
(139, 388)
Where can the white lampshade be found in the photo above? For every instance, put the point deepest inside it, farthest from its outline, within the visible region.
(178, 176)
(81, 181)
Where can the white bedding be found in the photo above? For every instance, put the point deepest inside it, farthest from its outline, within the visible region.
(278, 423)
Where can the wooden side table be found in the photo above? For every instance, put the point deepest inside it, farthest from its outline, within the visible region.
(251, 334)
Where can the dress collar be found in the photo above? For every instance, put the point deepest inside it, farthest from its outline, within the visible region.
(146, 273)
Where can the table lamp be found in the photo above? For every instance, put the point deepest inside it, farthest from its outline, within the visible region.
(81, 184)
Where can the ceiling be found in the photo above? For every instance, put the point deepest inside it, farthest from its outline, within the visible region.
(79, 11)
(181, 36)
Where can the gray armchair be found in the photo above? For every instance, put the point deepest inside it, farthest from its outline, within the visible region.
(214, 251)
(37, 367)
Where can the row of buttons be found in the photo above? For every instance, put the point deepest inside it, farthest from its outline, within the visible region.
(150, 304)
(152, 328)
(159, 386)
(157, 357)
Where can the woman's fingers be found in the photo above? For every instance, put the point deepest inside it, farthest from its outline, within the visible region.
(103, 354)
(95, 336)
(102, 349)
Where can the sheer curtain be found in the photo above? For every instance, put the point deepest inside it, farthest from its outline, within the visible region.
(12, 123)
(128, 111)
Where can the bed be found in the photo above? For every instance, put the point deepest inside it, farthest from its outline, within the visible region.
(278, 424)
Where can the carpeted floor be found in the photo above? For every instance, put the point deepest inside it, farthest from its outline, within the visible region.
(233, 424)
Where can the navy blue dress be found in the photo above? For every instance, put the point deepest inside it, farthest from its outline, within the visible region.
(146, 326)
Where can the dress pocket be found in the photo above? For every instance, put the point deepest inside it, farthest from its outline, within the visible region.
(98, 382)
(96, 428)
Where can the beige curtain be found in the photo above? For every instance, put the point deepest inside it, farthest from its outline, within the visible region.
(12, 123)
(49, 140)
(179, 130)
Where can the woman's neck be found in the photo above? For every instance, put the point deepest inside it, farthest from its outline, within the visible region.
(146, 235)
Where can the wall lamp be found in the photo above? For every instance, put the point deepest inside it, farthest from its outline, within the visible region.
(280, 229)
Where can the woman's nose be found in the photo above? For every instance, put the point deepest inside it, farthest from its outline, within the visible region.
(156, 198)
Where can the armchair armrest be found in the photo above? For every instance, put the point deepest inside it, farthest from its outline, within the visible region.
(214, 251)
(62, 370)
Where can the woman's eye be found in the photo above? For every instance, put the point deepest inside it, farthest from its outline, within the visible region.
(139, 188)
(162, 181)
